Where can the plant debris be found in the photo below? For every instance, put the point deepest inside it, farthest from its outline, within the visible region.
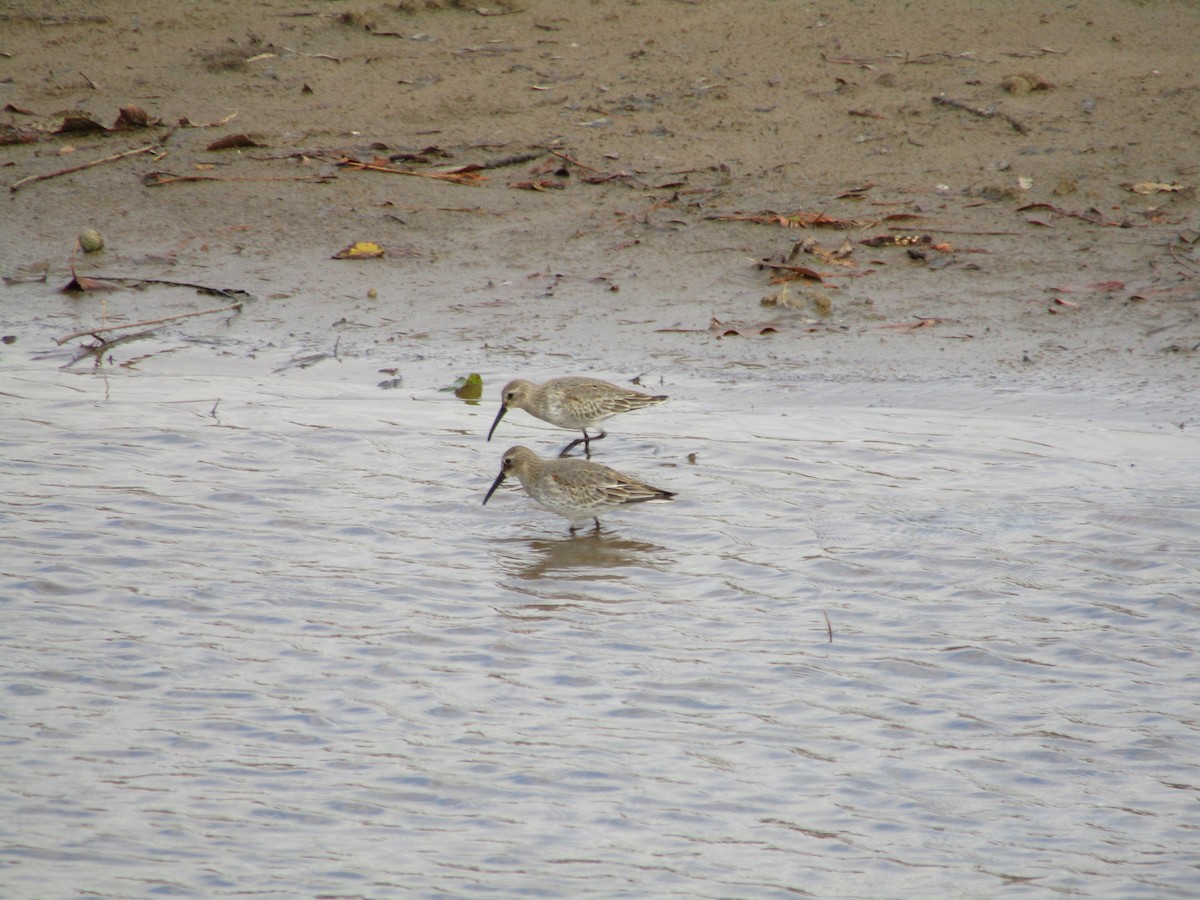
(361, 250)
(468, 174)
(466, 387)
(792, 220)
(942, 100)
(1155, 187)
(234, 141)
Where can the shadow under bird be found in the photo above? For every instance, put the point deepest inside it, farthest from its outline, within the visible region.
(572, 402)
(574, 488)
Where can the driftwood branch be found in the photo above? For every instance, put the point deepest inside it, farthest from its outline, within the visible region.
(96, 331)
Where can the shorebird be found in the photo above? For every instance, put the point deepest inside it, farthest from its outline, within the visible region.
(572, 402)
(574, 488)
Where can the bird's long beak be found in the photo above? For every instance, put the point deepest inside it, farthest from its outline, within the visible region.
(499, 478)
(499, 416)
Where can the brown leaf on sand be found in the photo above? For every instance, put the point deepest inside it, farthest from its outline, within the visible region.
(791, 273)
(1091, 215)
(232, 142)
(76, 122)
(81, 284)
(15, 134)
(132, 116)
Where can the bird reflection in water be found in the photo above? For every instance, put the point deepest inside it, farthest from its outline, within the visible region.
(589, 553)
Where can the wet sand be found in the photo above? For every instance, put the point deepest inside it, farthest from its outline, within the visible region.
(673, 138)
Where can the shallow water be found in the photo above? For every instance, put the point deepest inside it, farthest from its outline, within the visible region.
(278, 648)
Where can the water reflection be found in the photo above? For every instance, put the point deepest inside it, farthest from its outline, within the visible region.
(587, 554)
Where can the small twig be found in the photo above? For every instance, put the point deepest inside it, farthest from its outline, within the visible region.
(95, 331)
(98, 350)
(465, 175)
(227, 293)
(1020, 127)
(512, 160)
(185, 123)
(576, 162)
(89, 81)
(16, 186)
(157, 179)
(828, 625)
(1183, 262)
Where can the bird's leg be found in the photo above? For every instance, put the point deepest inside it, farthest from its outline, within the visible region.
(587, 441)
(571, 446)
(597, 528)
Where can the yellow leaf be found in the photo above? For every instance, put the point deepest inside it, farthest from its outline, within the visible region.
(360, 250)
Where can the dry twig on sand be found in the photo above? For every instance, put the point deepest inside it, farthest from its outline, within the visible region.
(96, 331)
(1018, 126)
(17, 185)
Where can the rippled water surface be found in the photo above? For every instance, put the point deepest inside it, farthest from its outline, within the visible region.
(278, 648)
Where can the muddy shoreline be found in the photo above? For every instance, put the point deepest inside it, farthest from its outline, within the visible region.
(676, 145)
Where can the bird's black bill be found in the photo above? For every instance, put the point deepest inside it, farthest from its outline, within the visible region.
(495, 484)
(499, 416)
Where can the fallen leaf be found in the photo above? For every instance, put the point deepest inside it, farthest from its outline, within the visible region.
(854, 193)
(79, 123)
(467, 387)
(132, 117)
(13, 134)
(1155, 187)
(1090, 215)
(80, 284)
(361, 250)
(233, 141)
(791, 273)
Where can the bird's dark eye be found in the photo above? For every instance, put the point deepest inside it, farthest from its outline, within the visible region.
(510, 395)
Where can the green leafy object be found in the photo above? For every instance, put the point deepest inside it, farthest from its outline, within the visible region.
(467, 387)
(471, 387)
